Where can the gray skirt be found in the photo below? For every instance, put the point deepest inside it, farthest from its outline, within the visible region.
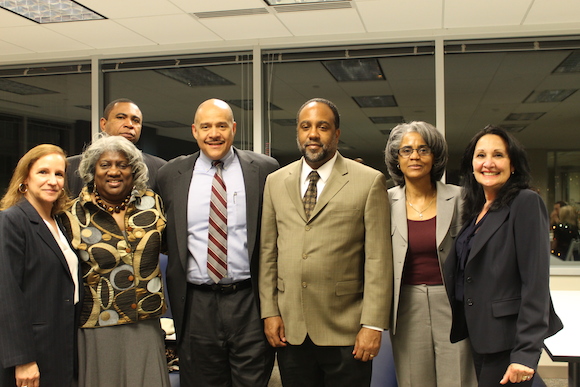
(131, 355)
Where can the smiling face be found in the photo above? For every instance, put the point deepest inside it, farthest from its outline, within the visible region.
(491, 163)
(125, 119)
(214, 128)
(317, 135)
(45, 181)
(415, 167)
(113, 177)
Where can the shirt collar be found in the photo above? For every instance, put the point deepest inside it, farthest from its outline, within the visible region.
(206, 162)
(324, 171)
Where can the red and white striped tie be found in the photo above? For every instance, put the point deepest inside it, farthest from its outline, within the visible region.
(217, 243)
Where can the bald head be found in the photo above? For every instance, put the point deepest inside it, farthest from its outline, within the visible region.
(214, 128)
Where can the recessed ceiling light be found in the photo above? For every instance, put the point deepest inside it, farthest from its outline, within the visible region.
(524, 116)
(557, 95)
(349, 70)
(373, 101)
(386, 132)
(22, 88)
(50, 11)
(569, 65)
(248, 104)
(195, 76)
(387, 120)
(514, 128)
(282, 2)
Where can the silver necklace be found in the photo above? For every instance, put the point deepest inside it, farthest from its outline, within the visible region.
(423, 210)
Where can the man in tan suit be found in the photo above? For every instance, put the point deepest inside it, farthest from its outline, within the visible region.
(325, 277)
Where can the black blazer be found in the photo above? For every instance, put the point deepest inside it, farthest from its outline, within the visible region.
(37, 311)
(507, 299)
(173, 181)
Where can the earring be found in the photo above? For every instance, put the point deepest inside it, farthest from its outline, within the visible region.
(513, 172)
(22, 188)
(398, 166)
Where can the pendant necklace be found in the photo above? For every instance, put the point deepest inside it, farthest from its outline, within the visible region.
(423, 210)
(111, 209)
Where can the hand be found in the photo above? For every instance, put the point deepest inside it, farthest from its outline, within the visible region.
(517, 373)
(367, 344)
(274, 330)
(27, 375)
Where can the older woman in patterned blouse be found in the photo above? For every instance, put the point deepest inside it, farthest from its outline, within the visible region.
(116, 224)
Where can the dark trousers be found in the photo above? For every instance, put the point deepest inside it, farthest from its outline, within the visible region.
(223, 343)
(490, 369)
(309, 365)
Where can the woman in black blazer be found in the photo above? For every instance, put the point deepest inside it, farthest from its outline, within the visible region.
(38, 276)
(497, 275)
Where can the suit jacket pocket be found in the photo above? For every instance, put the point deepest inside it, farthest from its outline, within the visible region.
(280, 284)
(349, 287)
(506, 307)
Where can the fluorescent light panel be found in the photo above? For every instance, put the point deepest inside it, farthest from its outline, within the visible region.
(284, 2)
(50, 11)
(524, 116)
(569, 65)
(374, 101)
(22, 88)
(248, 104)
(557, 95)
(349, 70)
(195, 76)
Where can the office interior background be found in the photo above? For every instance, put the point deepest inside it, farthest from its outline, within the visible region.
(458, 64)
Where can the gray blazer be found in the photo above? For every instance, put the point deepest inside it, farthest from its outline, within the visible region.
(173, 181)
(448, 225)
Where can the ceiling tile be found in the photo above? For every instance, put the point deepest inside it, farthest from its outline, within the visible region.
(9, 48)
(546, 11)
(170, 29)
(101, 34)
(114, 9)
(391, 15)
(473, 13)
(191, 6)
(40, 39)
(246, 27)
(333, 21)
(9, 19)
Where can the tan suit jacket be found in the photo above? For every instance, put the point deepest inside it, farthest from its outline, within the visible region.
(331, 274)
(448, 225)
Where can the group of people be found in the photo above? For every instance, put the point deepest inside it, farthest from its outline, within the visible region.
(565, 234)
(312, 261)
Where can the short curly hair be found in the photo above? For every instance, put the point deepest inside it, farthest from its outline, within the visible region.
(432, 137)
(118, 144)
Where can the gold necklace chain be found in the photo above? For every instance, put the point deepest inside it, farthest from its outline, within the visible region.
(424, 209)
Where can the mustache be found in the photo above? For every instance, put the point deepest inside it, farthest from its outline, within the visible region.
(312, 143)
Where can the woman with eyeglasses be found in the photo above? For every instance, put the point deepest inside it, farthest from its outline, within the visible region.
(425, 218)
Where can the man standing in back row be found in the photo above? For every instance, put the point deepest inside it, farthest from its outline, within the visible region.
(213, 200)
(121, 117)
(325, 260)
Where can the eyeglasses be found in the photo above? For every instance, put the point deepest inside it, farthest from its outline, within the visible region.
(407, 151)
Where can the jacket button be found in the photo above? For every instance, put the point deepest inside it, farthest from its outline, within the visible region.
(469, 302)
(304, 256)
(307, 228)
(304, 284)
(469, 280)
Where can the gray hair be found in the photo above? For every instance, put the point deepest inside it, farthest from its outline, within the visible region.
(117, 144)
(432, 137)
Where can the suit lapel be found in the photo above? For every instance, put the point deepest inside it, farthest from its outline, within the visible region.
(44, 232)
(292, 183)
(488, 228)
(338, 178)
(183, 181)
(445, 211)
(400, 212)
(251, 173)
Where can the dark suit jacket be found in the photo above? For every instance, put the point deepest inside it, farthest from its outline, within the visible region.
(507, 295)
(75, 183)
(37, 311)
(173, 182)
